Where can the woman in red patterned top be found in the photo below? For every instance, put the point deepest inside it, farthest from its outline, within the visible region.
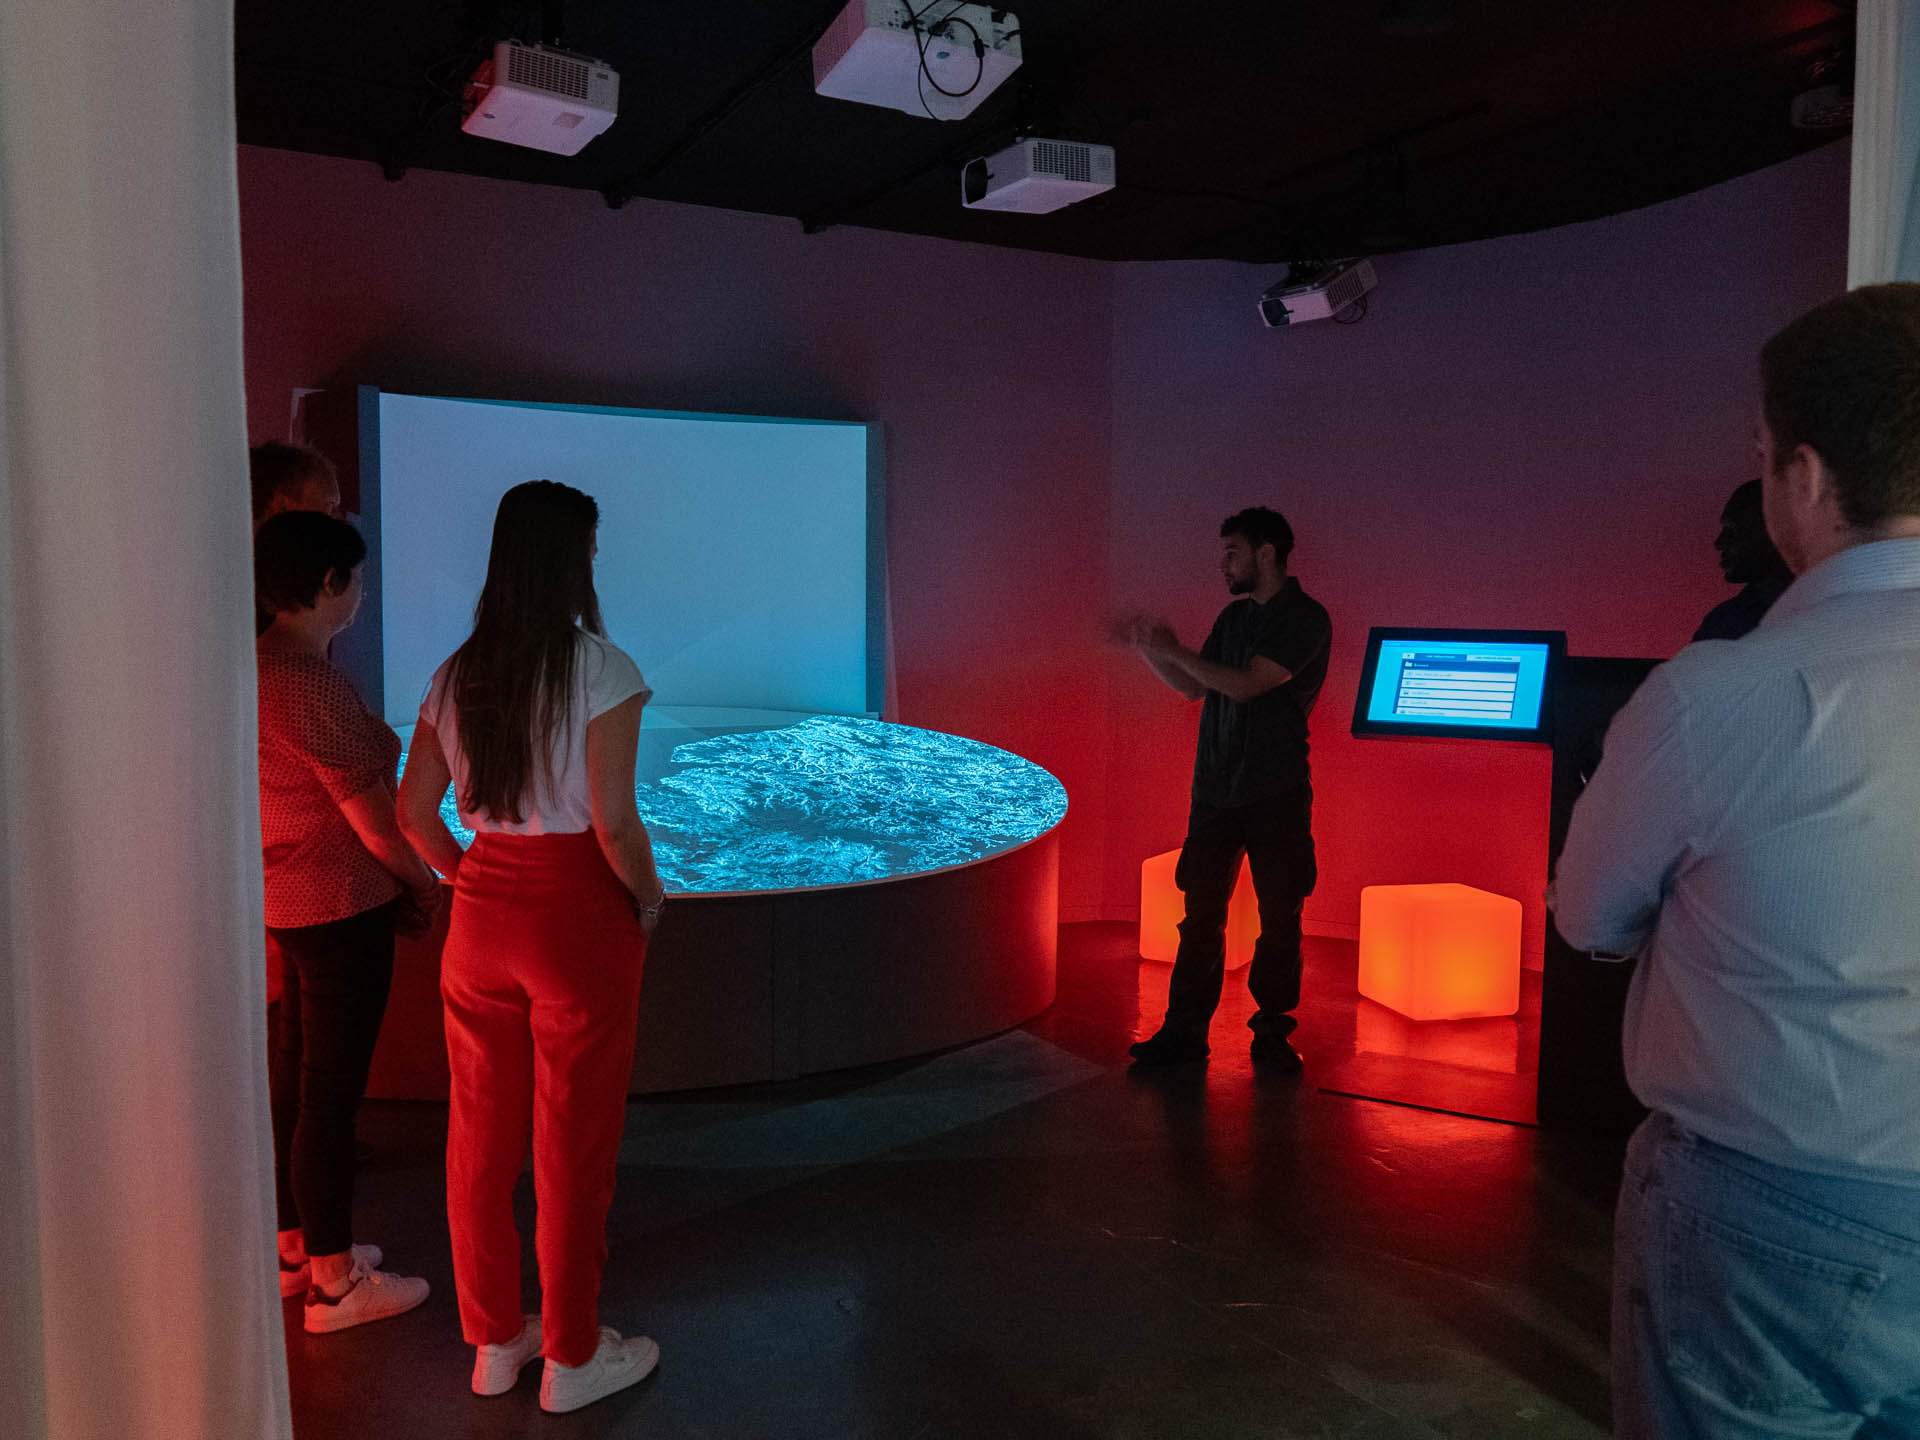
(536, 721)
(338, 877)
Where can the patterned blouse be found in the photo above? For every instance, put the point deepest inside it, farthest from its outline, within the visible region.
(319, 745)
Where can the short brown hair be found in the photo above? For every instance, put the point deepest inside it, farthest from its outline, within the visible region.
(1258, 526)
(296, 553)
(277, 467)
(1844, 380)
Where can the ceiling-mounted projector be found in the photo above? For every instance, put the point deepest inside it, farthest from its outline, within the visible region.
(1035, 176)
(1317, 292)
(907, 58)
(539, 97)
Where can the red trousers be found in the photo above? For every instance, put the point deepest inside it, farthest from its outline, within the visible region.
(541, 979)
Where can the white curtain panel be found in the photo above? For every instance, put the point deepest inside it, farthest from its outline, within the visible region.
(137, 1292)
(1883, 240)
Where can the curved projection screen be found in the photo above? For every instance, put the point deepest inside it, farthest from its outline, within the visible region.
(738, 561)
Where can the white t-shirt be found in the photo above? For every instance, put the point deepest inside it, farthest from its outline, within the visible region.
(603, 677)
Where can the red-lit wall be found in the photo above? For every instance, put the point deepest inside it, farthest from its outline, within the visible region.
(987, 367)
(1529, 432)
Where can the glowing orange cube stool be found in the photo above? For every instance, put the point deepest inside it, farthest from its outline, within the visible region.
(1162, 905)
(1440, 952)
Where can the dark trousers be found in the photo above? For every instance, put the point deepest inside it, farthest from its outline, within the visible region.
(1276, 837)
(335, 992)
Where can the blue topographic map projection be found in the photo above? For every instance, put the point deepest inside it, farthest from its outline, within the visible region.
(832, 800)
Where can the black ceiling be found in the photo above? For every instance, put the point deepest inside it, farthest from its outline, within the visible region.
(1252, 131)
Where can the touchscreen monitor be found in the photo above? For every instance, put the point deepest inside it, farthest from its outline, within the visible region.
(1470, 684)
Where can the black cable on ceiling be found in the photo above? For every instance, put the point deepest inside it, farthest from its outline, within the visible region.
(617, 192)
(924, 37)
(628, 186)
(1028, 104)
(971, 144)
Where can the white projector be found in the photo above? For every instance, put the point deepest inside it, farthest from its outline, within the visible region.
(1318, 295)
(885, 52)
(1035, 176)
(542, 98)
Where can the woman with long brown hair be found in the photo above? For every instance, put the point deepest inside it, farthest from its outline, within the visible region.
(535, 720)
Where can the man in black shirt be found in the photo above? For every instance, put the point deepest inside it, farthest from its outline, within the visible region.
(1747, 558)
(1259, 672)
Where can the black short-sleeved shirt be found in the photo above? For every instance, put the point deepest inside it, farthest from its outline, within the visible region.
(1731, 619)
(1256, 749)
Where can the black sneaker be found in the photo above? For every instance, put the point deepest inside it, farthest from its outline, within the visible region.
(1168, 1049)
(1272, 1052)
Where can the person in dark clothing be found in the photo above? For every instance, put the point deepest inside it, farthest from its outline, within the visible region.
(283, 478)
(1748, 559)
(291, 477)
(1258, 674)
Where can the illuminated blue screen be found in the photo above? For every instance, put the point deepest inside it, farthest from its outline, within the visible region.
(734, 552)
(1459, 682)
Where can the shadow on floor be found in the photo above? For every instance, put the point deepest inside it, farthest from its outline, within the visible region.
(1024, 1238)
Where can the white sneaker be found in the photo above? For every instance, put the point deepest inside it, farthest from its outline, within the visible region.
(496, 1368)
(615, 1365)
(373, 1295)
(297, 1276)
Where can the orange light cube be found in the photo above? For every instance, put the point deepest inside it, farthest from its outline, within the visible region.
(1162, 905)
(1440, 952)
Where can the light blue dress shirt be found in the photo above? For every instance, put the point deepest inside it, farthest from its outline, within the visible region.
(1753, 834)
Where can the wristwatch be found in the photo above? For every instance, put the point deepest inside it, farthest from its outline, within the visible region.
(652, 910)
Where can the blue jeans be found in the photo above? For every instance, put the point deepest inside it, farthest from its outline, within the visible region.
(1752, 1301)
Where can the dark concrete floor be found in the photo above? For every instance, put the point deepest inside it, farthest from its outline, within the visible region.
(1024, 1238)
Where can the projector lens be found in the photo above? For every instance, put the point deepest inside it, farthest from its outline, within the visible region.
(973, 181)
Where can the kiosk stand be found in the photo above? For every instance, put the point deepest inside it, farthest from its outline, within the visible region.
(1582, 1085)
(1522, 685)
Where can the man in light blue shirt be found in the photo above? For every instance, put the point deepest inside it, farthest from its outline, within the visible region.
(1753, 836)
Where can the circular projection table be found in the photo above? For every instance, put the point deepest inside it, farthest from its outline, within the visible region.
(844, 891)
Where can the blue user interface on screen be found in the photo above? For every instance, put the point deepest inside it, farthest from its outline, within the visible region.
(1470, 683)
